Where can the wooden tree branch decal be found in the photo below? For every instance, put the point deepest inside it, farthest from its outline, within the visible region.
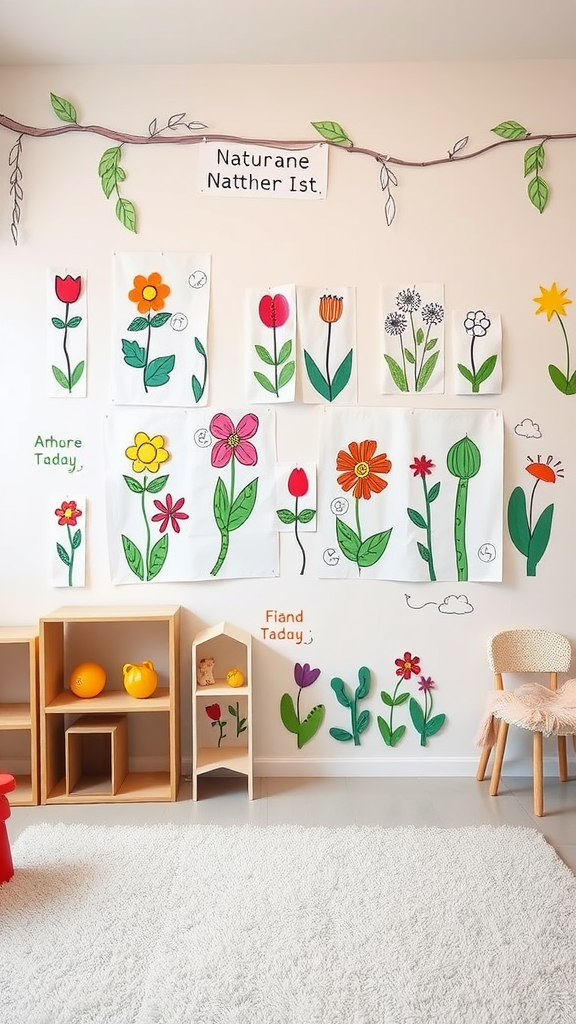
(112, 175)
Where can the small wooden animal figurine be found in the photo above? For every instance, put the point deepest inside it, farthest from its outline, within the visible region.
(204, 672)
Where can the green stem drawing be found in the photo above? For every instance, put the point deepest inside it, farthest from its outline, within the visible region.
(147, 525)
(328, 377)
(559, 318)
(431, 569)
(299, 542)
(224, 531)
(65, 347)
(71, 565)
(463, 461)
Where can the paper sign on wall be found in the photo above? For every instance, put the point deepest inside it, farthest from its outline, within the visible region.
(239, 169)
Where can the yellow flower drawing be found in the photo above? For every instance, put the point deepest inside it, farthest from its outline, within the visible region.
(552, 301)
(147, 452)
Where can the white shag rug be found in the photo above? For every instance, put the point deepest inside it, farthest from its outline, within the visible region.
(201, 924)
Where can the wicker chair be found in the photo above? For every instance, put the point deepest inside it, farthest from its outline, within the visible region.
(545, 710)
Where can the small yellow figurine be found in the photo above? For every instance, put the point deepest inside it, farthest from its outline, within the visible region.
(234, 677)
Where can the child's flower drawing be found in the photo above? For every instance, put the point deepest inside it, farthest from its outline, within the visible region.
(298, 487)
(274, 311)
(330, 383)
(233, 445)
(423, 467)
(552, 302)
(68, 292)
(148, 294)
(529, 537)
(68, 515)
(361, 471)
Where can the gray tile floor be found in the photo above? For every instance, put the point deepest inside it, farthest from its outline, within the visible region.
(389, 802)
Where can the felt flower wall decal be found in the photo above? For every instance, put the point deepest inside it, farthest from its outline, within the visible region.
(303, 729)
(149, 294)
(529, 537)
(408, 665)
(361, 471)
(359, 720)
(68, 515)
(233, 445)
(421, 717)
(552, 302)
(67, 291)
(274, 311)
(147, 454)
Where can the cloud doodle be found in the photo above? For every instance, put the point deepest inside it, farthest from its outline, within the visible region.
(527, 428)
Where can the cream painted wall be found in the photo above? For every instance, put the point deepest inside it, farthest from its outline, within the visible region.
(469, 226)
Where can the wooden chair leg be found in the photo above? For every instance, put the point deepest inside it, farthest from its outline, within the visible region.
(498, 758)
(562, 759)
(538, 775)
(483, 763)
(574, 742)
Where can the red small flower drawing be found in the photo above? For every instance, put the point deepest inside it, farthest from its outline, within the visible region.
(169, 513)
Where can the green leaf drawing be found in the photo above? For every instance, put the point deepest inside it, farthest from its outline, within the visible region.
(139, 323)
(510, 130)
(286, 374)
(571, 386)
(538, 193)
(158, 371)
(197, 389)
(157, 556)
(284, 352)
(533, 159)
(309, 727)
(77, 373)
(433, 492)
(288, 714)
(363, 721)
(341, 734)
(469, 376)
(76, 539)
(348, 541)
(126, 214)
(286, 516)
(133, 556)
(109, 181)
(199, 347)
(63, 109)
(518, 527)
(243, 505)
(134, 485)
(264, 355)
(343, 695)
(306, 515)
(316, 377)
(417, 715)
(157, 485)
(332, 131)
(416, 518)
(63, 554)
(430, 344)
(74, 321)
(221, 505)
(109, 160)
(372, 549)
(61, 378)
(159, 319)
(486, 369)
(426, 371)
(134, 354)
(342, 375)
(424, 552)
(266, 384)
(58, 323)
(558, 378)
(397, 373)
(419, 336)
(433, 725)
(363, 688)
(539, 539)
(410, 358)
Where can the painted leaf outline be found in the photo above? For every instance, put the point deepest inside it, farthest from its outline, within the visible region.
(157, 484)
(158, 556)
(509, 130)
(397, 373)
(60, 377)
(434, 492)
(133, 557)
(243, 505)
(284, 352)
(76, 539)
(126, 214)
(417, 518)
(197, 389)
(286, 374)
(540, 535)
(134, 354)
(348, 540)
(264, 382)
(221, 505)
(158, 371)
(332, 131)
(306, 515)
(426, 371)
(558, 378)
(77, 373)
(372, 549)
(423, 551)
(159, 319)
(533, 159)
(342, 375)
(63, 109)
(285, 516)
(63, 554)
(134, 485)
(264, 355)
(538, 193)
(486, 369)
(316, 377)
(518, 527)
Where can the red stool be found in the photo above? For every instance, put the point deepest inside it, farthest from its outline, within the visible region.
(7, 784)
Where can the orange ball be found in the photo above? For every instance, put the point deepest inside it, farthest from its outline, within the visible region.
(87, 679)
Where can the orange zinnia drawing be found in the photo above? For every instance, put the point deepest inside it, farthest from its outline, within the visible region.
(360, 467)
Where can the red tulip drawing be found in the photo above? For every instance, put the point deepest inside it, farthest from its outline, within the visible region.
(274, 311)
(298, 487)
(68, 292)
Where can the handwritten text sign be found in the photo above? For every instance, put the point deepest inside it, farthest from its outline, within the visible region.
(240, 169)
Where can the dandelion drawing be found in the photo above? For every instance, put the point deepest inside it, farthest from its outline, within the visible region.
(417, 358)
(552, 302)
(529, 537)
(148, 294)
(423, 467)
(274, 311)
(68, 515)
(233, 445)
(361, 471)
(329, 384)
(477, 325)
(463, 462)
(147, 454)
(68, 292)
(298, 487)
(303, 728)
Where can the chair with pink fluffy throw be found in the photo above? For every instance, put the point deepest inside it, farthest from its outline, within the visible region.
(546, 710)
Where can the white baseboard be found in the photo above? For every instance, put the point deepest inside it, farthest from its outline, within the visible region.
(376, 767)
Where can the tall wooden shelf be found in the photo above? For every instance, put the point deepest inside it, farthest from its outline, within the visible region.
(231, 648)
(19, 709)
(71, 635)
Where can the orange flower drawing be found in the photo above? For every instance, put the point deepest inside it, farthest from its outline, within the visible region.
(359, 468)
(149, 292)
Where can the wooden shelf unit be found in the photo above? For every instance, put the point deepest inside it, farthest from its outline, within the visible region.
(231, 648)
(19, 708)
(61, 710)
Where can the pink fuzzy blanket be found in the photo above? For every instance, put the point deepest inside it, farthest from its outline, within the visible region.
(531, 706)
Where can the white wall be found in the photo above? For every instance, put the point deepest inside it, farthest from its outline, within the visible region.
(469, 226)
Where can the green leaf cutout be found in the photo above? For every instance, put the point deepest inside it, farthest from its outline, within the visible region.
(126, 214)
(469, 376)
(363, 688)
(221, 505)
(58, 323)
(540, 536)
(510, 130)
(63, 109)
(426, 371)
(384, 730)
(158, 371)
(387, 699)
(341, 734)
(538, 193)
(433, 725)
(158, 556)
(109, 160)
(332, 131)
(109, 180)
(397, 373)
(286, 516)
(77, 373)
(76, 539)
(264, 382)
(518, 527)
(134, 354)
(316, 377)
(309, 727)
(134, 485)
(417, 715)
(61, 377)
(416, 518)
(558, 378)
(63, 554)
(533, 159)
(372, 549)
(348, 541)
(306, 515)
(264, 355)
(363, 721)
(288, 714)
(286, 374)
(243, 505)
(397, 735)
(342, 375)
(157, 485)
(133, 556)
(342, 692)
(159, 319)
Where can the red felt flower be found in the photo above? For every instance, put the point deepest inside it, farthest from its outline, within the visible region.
(213, 712)
(274, 310)
(298, 483)
(67, 288)
(408, 666)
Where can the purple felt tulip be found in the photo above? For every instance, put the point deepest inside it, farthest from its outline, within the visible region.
(304, 675)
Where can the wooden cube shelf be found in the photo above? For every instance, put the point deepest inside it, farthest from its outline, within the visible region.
(112, 636)
(19, 711)
(96, 755)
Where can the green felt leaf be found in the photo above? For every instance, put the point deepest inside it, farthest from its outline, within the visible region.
(286, 374)
(343, 695)
(434, 492)
(416, 518)
(397, 373)
(286, 516)
(139, 323)
(558, 378)
(158, 371)
(540, 535)
(126, 214)
(243, 505)
(134, 485)
(77, 373)
(157, 484)
(538, 193)
(372, 549)
(134, 354)
(288, 714)
(433, 725)
(363, 688)
(518, 527)
(61, 377)
(417, 715)
(533, 159)
(397, 735)
(63, 554)
(63, 109)
(341, 734)
(109, 160)
(159, 319)
(401, 699)
(76, 539)
(158, 556)
(315, 376)
(426, 371)
(363, 721)
(510, 130)
(309, 727)
(264, 382)
(133, 556)
(387, 698)
(332, 131)
(348, 541)
(58, 323)
(221, 505)
(384, 730)
(486, 369)
(306, 515)
(284, 352)
(342, 375)
(264, 355)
